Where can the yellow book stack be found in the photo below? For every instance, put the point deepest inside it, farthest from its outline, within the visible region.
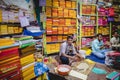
(3, 29)
(6, 42)
(0, 15)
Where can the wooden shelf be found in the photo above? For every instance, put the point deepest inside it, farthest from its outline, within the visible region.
(58, 34)
(89, 4)
(62, 7)
(9, 23)
(89, 15)
(9, 46)
(89, 25)
(4, 35)
(53, 53)
(102, 15)
(88, 36)
(62, 25)
(102, 25)
(55, 42)
(62, 17)
(106, 35)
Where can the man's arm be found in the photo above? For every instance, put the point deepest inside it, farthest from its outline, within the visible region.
(62, 50)
(71, 57)
(74, 51)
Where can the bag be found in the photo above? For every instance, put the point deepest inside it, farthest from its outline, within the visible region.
(114, 54)
(110, 19)
(111, 12)
(40, 68)
(42, 2)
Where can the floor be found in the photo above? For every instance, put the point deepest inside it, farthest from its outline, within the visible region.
(93, 76)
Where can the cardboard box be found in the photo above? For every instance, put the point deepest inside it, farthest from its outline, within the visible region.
(73, 21)
(48, 11)
(62, 4)
(65, 30)
(71, 13)
(70, 30)
(83, 9)
(16, 30)
(88, 9)
(20, 30)
(49, 39)
(59, 38)
(55, 22)
(68, 4)
(54, 30)
(48, 2)
(55, 4)
(60, 30)
(10, 30)
(49, 22)
(61, 22)
(54, 38)
(67, 22)
(48, 46)
(49, 30)
(54, 12)
(93, 9)
(73, 4)
(64, 38)
(60, 13)
(4, 29)
(66, 13)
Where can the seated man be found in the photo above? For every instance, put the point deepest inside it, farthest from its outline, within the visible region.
(115, 39)
(77, 47)
(98, 47)
(68, 52)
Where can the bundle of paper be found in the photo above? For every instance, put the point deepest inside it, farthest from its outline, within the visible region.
(6, 42)
(10, 64)
(8, 54)
(83, 67)
(27, 60)
(26, 70)
(22, 37)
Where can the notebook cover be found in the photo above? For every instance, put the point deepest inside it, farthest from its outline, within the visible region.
(111, 75)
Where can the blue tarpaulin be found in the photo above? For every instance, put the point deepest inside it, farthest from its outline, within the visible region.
(95, 58)
(29, 33)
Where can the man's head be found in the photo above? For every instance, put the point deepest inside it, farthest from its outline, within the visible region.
(115, 34)
(99, 36)
(69, 39)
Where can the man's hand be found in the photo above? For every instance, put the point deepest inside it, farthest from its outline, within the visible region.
(72, 57)
(102, 47)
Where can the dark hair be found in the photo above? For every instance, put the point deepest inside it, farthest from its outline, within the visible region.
(69, 37)
(98, 34)
(115, 32)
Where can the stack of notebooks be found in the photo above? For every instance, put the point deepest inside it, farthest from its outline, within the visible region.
(113, 76)
(27, 50)
(27, 63)
(6, 42)
(10, 64)
(115, 59)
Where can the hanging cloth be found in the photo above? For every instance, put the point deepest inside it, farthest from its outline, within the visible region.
(42, 2)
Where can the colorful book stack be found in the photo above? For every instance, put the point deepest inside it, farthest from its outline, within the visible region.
(113, 59)
(27, 64)
(27, 50)
(10, 64)
(6, 42)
